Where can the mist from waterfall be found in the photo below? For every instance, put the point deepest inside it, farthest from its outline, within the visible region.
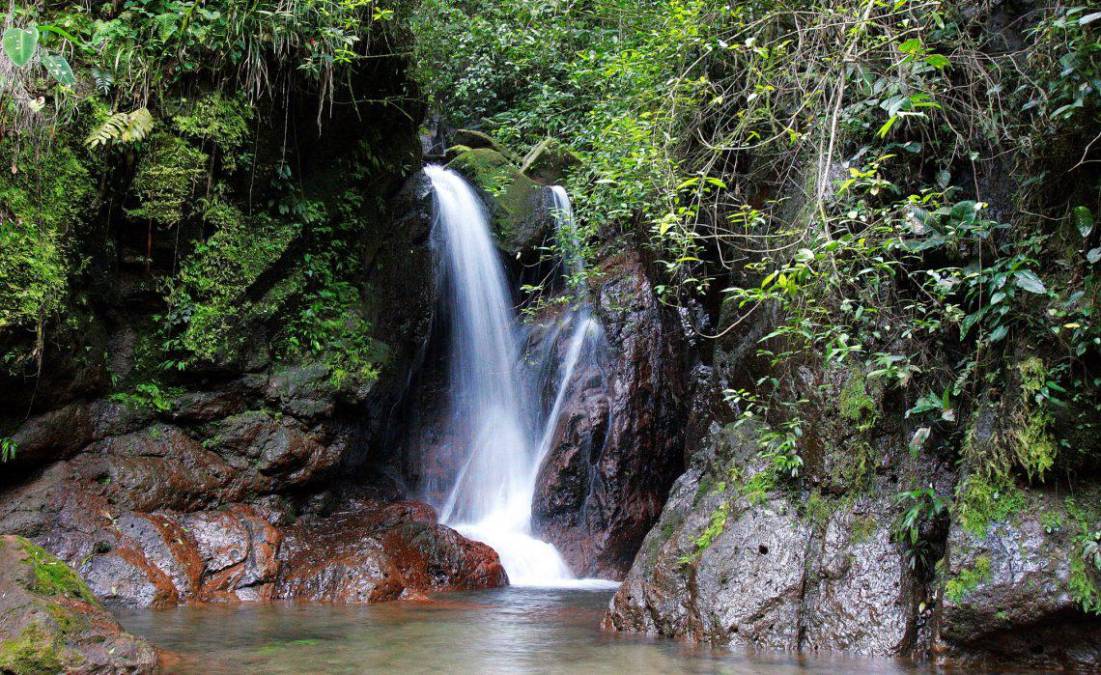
(495, 414)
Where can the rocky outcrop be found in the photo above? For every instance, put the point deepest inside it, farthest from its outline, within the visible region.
(730, 565)
(368, 552)
(1014, 589)
(620, 438)
(520, 208)
(383, 552)
(50, 622)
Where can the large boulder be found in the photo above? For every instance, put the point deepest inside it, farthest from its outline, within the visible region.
(733, 561)
(382, 552)
(619, 442)
(51, 622)
(520, 208)
(547, 162)
(1014, 588)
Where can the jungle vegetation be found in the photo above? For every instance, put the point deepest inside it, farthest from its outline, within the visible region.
(905, 192)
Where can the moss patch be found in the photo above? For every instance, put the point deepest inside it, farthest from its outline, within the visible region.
(31, 653)
(855, 404)
(982, 500)
(501, 179)
(52, 577)
(967, 580)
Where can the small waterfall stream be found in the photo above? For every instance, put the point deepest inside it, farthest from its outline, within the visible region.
(503, 434)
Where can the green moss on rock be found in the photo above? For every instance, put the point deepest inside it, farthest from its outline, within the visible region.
(31, 653)
(983, 500)
(513, 193)
(967, 580)
(52, 577)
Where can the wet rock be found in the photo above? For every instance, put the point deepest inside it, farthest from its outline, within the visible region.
(51, 622)
(278, 449)
(516, 202)
(1009, 593)
(472, 138)
(729, 566)
(158, 467)
(60, 433)
(861, 597)
(620, 440)
(380, 552)
(305, 392)
(207, 406)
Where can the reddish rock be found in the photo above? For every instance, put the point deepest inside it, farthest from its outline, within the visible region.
(380, 552)
(619, 443)
(60, 433)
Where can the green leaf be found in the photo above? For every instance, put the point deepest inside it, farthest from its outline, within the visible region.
(59, 69)
(938, 61)
(1089, 18)
(1028, 280)
(1094, 255)
(999, 333)
(886, 128)
(1083, 220)
(19, 44)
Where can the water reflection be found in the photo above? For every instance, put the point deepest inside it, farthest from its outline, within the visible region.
(504, 631)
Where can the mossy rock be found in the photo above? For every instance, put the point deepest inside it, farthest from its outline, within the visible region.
(519, 219)
(472, 138)
(52, 577)
(547, 161)
(50, 622)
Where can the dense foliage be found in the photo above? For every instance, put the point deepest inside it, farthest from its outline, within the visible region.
(173, 152)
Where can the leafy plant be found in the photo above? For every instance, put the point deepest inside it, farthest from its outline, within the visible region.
(124, 127)
(923, 508)
(22, 44)
(8, 447)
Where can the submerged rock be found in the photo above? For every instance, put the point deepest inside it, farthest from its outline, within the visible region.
(50, 621)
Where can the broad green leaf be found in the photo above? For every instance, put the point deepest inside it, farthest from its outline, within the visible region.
(999, 333)
(1089, 18)
(911, 46)
(1083, 220)
(1094, 255)
(938, 61)
(1028, 280)
(59, 69)
(19, 44)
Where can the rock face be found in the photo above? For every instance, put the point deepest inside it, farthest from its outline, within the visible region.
(382, 553)
(1012, 591)
(619, 442)
(158, 534)
(730, 566)
(50, 621)
(224, 492)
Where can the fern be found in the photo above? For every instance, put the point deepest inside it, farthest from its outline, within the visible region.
(104, 81)
(124, 127)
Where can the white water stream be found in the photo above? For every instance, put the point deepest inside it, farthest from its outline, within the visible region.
(504, 437)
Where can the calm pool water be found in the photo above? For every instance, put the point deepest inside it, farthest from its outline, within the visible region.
(505, 630)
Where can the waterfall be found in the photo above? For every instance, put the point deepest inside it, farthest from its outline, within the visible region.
(496, 422)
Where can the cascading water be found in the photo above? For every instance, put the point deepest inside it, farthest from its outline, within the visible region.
(493, 413)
